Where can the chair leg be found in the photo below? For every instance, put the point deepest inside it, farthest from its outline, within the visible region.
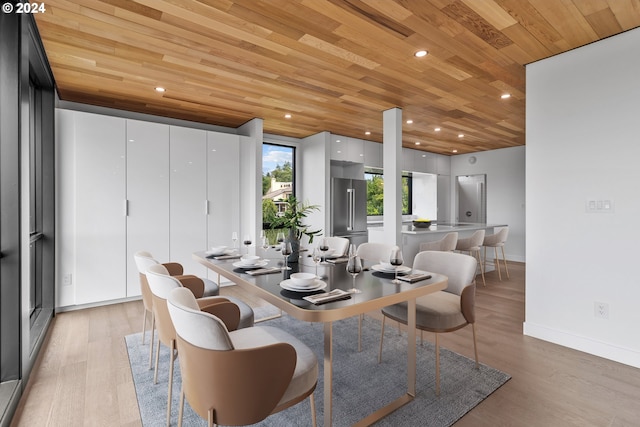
(381, 338)
(496, 262)
(437, 366)
(172, 347)
(312, 402)
(144, 326)
(155, 373)
(181, 409)
(475, 343)
(505, 263)
(153, 327)
(210, 417)
(484, 257)
(481, 268)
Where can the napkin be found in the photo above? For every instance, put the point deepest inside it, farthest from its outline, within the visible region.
(222, 257)
(261, 271)
(334, 295)
(340, 260)
(415, 277)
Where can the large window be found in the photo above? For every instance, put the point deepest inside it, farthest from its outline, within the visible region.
(375, 192)
(278, 179)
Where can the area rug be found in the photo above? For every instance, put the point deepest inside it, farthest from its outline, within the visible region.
(360, 384)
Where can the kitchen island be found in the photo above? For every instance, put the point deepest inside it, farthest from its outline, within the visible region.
(413, 236)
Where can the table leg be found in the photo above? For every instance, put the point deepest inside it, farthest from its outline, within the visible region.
(328, 372)
(411, 347)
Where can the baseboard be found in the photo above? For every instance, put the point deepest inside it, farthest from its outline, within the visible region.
(585, 344)
(96, 304)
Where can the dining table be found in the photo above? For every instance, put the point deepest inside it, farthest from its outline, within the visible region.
(376, 291)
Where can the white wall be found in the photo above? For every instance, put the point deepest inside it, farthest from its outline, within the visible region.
(314, 179)
(505, 170)
(582, 144)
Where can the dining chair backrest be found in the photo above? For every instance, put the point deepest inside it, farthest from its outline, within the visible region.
(161, 284)
(459, 268)
(340, 245)
(197, 327)
(498, 238)
(449, 242)
(144, 260)
(374, 252)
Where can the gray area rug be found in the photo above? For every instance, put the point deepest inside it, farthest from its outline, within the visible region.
(360, 384)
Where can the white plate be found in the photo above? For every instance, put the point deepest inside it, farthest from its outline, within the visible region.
(402, 269)
(259, 264)
(288, 285)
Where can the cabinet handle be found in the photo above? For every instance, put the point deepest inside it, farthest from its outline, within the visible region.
(206, 207)
(126, 207)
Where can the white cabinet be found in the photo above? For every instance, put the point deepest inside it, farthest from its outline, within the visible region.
(347, 149)
(373, 154)
(147, 195)
(338, 147)
(355, 150)
(100, 239)
(188, 197)
(443, 165)
(223, 188)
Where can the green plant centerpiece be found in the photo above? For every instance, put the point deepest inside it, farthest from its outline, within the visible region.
(292, 219)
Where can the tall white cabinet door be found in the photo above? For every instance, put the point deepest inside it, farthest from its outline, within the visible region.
(100, 208)
(223, 188)
(147, 195)
(188, 197)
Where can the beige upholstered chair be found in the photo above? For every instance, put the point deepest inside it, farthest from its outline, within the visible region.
(238, 377)
(160, 284)
(443, 311)
(496, 241)
(374, 252)
(340, 245)
(446, 244)
(144, 260)
(472, 245)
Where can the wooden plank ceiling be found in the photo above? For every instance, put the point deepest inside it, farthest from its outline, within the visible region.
(334, 65)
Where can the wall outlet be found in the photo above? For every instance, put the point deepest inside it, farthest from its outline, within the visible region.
(67, 279)
(601, 310)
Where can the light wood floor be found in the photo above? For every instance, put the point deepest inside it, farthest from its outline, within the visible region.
(82, 377)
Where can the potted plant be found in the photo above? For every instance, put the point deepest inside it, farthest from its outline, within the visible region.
(292, 219)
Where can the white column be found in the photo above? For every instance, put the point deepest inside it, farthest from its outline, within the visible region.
(250, 176)
(392, 166)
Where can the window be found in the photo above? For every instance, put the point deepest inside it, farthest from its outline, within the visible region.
(375, 192)
(278, 179)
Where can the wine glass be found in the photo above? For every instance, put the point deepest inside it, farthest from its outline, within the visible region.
(247, 241)
(324, 247)
(286, 251)
(316, 256)
(234, 239)
(265, 243)
(280, 237)
(354, 267)
(396, 260)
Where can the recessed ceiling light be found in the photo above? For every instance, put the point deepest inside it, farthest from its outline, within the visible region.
(160, 89)
(437, 129)
(409, 121)
(505, 95)
(287, 116)
(367, 133)
(420, 53)
(454, 151)
(417, 142)
(424, 155)
(460, 135)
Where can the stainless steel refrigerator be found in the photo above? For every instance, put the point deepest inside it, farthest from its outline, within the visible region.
(349, 209)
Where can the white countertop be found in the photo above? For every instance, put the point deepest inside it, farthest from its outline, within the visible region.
(448, 227)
